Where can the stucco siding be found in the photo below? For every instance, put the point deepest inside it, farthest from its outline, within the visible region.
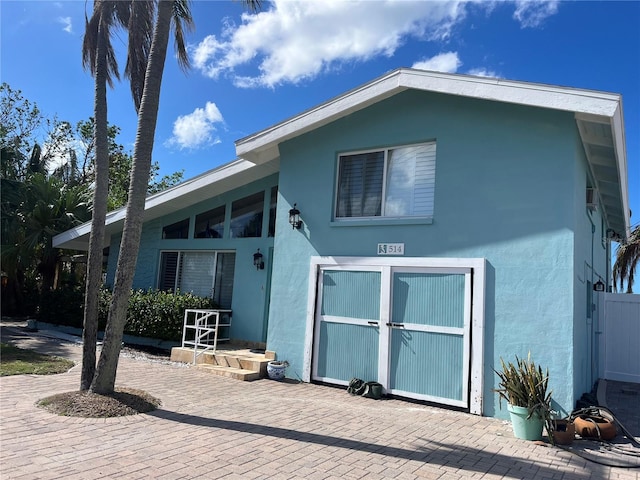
(591, 259)
(250, 284)
(503, 191)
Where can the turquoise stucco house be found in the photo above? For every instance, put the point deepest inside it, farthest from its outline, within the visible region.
(445, 221)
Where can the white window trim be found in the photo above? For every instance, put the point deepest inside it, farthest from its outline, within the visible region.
(382, 216)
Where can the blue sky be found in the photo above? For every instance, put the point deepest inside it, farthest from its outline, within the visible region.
(250, 72)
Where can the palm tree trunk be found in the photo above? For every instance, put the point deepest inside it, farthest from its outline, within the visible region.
(96, 240)
(104, 379)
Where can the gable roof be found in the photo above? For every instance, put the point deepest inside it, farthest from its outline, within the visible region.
(598, 116)
(225, 178)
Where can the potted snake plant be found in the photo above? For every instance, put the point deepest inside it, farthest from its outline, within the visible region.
(524, 386)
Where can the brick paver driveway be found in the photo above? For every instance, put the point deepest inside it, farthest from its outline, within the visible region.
(213, 427)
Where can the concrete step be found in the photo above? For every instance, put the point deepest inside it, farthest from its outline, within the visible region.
(236, 362)
(231, 372)
(254, 362)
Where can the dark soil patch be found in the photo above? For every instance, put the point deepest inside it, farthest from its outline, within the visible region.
(122, 402)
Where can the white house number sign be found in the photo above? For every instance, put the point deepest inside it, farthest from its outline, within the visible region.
(391, 249)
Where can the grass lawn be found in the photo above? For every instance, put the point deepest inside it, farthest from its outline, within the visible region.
(16, 361)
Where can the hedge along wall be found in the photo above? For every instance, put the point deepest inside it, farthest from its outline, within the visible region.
(151, 313)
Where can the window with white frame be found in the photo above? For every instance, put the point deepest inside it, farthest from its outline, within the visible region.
(203, 273)
(394, 182)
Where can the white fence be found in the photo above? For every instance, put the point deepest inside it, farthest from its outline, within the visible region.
(620, 337)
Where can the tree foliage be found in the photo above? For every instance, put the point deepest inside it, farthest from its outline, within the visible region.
(47, 174)
(37, 200)
(627, 258)
(120, 165)
(30, 142)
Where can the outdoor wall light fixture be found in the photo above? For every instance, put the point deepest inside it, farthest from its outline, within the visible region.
(598, 286)
(258, 262)
(294, 217)
(612, 235)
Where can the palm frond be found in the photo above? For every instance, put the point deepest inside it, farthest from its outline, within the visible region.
(253, 6)
(140, 30)
(97, 35)
(182, 22)
(90, 42)
(627, 257)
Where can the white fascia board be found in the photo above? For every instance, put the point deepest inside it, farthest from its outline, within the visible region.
(72, 238)
(523, 93)
(619, 145)
(205, 180)
(263, 145)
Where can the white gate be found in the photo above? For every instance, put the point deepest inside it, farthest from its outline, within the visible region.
(620, 337)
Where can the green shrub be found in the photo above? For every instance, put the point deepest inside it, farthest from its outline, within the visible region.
(158, 314)
(62, 307)
(151, 313)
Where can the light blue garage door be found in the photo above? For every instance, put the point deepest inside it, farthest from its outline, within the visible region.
(405, 327)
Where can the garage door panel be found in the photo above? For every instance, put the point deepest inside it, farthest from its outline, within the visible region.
(427, 364)
(346, 351)
(429, 299)
(351, 294)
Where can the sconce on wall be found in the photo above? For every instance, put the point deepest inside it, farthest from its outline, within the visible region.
(612, 235)
(258, 261)
(598, 286)
(294, 217)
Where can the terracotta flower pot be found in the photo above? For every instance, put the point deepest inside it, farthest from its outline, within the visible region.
(564, 432)
(590, 426)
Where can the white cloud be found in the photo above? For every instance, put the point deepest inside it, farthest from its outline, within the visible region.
(449, 62)
(531, 13)
(444, 62)
(483, 72)
(196, 129)
(66, 24)
(296, 40)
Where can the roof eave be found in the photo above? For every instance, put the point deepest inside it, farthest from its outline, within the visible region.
(263, 145)
(621, 159)
(189, 192)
